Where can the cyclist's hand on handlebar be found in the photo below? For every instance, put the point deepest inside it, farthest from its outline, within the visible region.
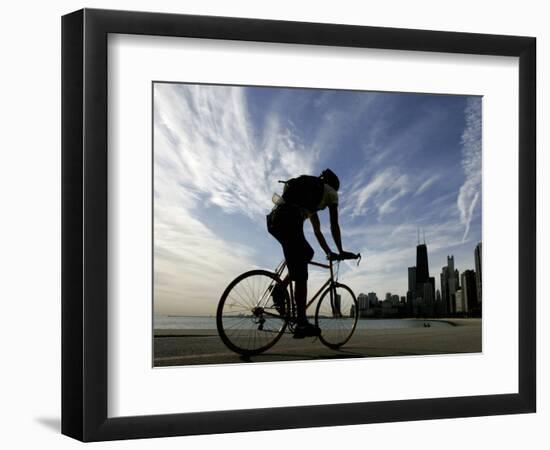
(333, 256)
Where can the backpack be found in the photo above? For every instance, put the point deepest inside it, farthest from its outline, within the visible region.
(305, 191)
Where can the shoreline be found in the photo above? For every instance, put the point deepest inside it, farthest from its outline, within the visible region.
(177, 347)
(454, 322)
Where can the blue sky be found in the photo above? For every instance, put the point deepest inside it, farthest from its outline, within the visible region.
(405, 161)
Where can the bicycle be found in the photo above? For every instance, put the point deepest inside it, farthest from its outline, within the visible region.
(249, 323)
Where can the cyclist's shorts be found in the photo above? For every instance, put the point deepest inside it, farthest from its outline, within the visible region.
(286, 224)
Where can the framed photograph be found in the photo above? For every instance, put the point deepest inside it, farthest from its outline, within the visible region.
(272, 224)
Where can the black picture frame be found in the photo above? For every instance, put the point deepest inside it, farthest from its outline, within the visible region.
(84, 224)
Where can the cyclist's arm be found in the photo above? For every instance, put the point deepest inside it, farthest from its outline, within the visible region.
(335, 227)
(316, 224)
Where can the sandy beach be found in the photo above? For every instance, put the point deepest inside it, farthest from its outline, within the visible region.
(191, 347)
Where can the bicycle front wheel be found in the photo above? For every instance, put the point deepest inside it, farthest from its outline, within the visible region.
(248, 321)
(336, 315)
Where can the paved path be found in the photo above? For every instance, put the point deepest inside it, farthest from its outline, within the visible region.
(185, 347)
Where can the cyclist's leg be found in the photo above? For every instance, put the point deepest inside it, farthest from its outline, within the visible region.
(298, 253)
(298, 271)
(286, 224)
(303, 327)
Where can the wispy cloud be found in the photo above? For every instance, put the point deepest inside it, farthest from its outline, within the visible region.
(470, 190)
(381, 192)
(384, 190)
(205, 133)
(426, 184)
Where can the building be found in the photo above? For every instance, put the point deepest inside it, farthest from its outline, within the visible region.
(367, 304)
(411, 292)
(477, 257)
(469, 289)
(431, 281)
(412, 278)
(424, 289)
(373, 299)
(388, 309)
(417, 306)
(445, 302)
(363, 302)
(438, 305)
(428, 309)
(449, 285)
(460, 304)
(422, 271)
(457, 280)
(452, 283)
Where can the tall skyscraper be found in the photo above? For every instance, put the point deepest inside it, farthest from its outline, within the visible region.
(449, 285)
(411, 294)
(453, 282)
(445, 300)
(422, 271)
(422, 297)
(477, 257)
(469, 289)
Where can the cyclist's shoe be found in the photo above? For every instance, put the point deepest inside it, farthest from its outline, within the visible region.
(278, 294)
(306, 330)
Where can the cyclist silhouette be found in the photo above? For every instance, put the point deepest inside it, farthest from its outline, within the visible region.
(302, 198)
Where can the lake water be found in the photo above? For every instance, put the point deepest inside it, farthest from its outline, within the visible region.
(209, 323)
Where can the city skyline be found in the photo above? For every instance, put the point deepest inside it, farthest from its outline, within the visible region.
(406, 161)
(475, 268)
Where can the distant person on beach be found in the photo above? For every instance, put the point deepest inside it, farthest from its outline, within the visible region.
(302, 198)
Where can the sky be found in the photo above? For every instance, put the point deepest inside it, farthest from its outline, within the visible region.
(406, 162)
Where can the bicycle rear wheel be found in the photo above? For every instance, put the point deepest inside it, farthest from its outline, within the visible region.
(336, 315)
(248, 322)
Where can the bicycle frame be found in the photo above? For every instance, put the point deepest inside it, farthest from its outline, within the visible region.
(330, 282)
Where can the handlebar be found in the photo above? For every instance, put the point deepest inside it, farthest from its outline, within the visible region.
(338, 257)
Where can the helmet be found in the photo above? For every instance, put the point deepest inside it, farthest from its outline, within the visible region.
(330, 178)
